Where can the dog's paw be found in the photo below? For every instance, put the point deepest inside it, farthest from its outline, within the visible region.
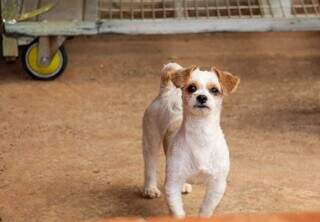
(179, 216)
(186, 188)
(151, 192)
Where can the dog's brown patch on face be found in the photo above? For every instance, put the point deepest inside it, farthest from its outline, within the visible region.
(192, 83)
(228, 81)
(181, 77)
(212, 86)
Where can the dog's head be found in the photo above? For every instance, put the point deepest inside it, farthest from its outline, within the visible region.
(203, 91)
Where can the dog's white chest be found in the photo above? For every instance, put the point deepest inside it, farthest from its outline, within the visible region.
(202, 159)
(199, 158)
(208, 163)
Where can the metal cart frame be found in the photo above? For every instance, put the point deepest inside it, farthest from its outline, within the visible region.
(51, 22)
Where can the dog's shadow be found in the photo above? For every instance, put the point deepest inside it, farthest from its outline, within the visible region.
(119, 201)
(128, 201)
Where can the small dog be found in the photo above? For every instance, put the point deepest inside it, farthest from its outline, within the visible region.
(185, 120)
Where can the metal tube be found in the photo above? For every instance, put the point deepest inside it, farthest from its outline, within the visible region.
(228, 8)
(239, 9)
(121, 15)
(142, 9)
(131, 9)
(217, 8)
(110, 9)
(315, 7)
(164, 9)
(294, 11)
(304, 8)
(250, 9)
(207, 9)
(152, 8)
(196, 8)
(270, 8)
(285, 6)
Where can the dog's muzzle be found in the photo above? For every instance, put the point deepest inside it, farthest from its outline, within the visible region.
(202, 99)
(201, 102)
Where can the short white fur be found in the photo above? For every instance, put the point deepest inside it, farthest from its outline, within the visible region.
(195, 147)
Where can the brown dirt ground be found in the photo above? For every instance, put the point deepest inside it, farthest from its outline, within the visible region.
(70, 149)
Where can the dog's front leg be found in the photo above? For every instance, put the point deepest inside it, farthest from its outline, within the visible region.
(214, 193)
(174, 196)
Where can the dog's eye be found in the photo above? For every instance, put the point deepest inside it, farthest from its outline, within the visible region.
(214, 91)
(192, 88)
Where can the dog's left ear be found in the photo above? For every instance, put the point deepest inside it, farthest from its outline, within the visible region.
(228, 81)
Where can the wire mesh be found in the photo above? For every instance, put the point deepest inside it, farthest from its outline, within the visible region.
(162, 9)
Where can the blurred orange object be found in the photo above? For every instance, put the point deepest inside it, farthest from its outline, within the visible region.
(255, 217)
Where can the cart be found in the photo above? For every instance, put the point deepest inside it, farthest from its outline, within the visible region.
(35, 30)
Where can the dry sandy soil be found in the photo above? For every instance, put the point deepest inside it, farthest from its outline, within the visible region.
(70, 149)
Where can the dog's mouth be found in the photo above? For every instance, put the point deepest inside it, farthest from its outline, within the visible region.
(201, 106)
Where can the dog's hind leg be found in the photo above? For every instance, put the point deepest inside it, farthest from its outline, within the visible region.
(151, 149)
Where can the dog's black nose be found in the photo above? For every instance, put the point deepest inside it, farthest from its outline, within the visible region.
(202, 99)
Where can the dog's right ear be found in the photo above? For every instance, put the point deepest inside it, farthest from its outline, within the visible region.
(180, 77)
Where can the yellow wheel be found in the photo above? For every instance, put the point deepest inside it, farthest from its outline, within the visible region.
(52, 71)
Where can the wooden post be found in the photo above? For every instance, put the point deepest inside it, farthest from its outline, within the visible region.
(9, 46)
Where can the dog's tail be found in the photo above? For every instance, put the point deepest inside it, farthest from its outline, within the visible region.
(166, 74)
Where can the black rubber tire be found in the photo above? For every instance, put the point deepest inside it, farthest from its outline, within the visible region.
(32, 74)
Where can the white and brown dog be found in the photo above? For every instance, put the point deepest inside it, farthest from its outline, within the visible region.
(190, 133)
